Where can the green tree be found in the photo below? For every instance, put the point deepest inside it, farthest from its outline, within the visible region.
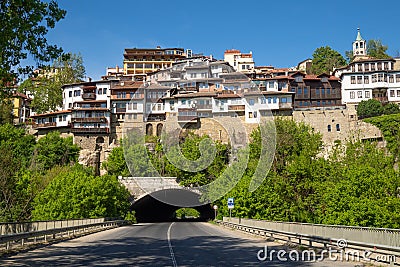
(52, 150)
(47, 90)
(116, 164)
(76, 193)
(391, 108)
(325, 59)
(25, 25)
(376, 49)
(369, 108)
(6, 111)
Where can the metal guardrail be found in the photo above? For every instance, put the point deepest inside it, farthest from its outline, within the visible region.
(11, 233)
(317, 235)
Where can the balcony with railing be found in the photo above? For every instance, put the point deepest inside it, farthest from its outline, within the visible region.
(204, 106)
(44, 125)
(187, 115)
(236, 107)
(89, 96)
(285, 105)
(91, 119)
(98, 130)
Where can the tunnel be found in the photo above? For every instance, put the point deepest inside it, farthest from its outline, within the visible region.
(154, 207)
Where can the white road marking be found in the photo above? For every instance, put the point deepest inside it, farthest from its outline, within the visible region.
(171, 251)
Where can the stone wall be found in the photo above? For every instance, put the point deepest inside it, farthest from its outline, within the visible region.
(337, 125)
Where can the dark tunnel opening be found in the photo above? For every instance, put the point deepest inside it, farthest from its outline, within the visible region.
(155, 208)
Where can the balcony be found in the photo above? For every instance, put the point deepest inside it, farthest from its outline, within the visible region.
(285, 105)
(187, 119)
(236, 108)
(120, 110)
(199, 106)
(99, 130)
(44, 125)
(89, 96)
(92, 119)
(153, 118)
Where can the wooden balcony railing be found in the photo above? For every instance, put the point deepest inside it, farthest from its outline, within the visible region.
(44, 125)
(89, 96)
(92, 119)
(90, 130)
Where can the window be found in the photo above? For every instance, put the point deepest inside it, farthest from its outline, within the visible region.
(373, 78)
(386, 66)
(359, 79)
(391, 93)
(353, 79)
(193, 75)
(271, 84)
(251, 102)
(366, 79)
(379, 65)
(283, 100)
(338, 127)
(298, 79)
(263, 100)
(250, 114)
(275, 99)
(398, 93)
(70, 93)
(294, 88)
(305, 92)
(255, 114)
(328, 91)
(372, 66)
(99, 91)
(322, 92)
(391, 78)
(366, 66)
(359, 67)
(329, 128)
(397, 78)
(243, 67)
(353, 68)
(269, 100)
(69, 105)
(352, 95)
(359, 94)
(317, 91)
(104, 91)
(367, 94)
(59, 118)
(299, 91)
(380, 77)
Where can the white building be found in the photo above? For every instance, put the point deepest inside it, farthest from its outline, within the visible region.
(369, 78)
(239, 61)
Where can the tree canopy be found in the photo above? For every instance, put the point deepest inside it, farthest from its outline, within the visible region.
(325, 59)
(47, 89)
(376, 49)
(25, 25)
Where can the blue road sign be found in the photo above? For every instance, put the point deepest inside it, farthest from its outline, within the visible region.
(231, 203)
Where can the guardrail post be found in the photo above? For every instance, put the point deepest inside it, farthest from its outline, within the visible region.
(8, 245)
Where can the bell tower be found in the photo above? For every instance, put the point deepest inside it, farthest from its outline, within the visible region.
(359, 46)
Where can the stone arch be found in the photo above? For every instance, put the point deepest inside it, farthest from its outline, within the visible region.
(159, 129)
(149, 129)
(100, 140)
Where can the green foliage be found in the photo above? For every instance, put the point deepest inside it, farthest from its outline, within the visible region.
(6, 111)
(130, 217)
(115, 164)
(376, 49)
(24, 26)
(325, 59)
(76, 193)
(391, 108)
(187, 213)
(47, 90)
(53, 150)
(369, 108)
(390, 128)
(355, 185)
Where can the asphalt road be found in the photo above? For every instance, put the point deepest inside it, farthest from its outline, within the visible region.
(159, 244)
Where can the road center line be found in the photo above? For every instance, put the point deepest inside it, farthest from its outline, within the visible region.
(171, 251)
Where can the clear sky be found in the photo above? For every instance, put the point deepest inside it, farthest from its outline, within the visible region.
(279, 33)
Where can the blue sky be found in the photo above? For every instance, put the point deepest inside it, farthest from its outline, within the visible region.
(279, 33)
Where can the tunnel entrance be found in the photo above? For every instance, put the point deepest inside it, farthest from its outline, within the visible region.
(149, 208)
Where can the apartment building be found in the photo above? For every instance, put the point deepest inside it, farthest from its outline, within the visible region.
(239, 61)
(140, 61)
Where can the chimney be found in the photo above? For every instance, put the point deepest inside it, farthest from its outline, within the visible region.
(158, 47)
(89, 79)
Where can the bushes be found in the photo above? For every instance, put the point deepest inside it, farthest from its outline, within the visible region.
(373, 108)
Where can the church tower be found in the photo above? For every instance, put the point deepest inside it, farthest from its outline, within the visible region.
(359, 46)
